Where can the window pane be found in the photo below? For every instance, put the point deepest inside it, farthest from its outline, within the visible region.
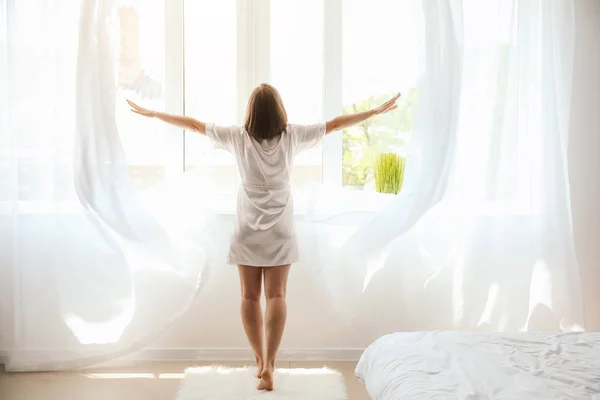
(379, 59)
(37, 103)
(211, 83)
(138, 36)
(495, 143)
(297, 72)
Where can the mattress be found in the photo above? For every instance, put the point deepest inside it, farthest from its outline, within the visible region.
(459, 365)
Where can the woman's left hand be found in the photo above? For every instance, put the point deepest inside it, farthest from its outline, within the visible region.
(388, 106)
(141, 110)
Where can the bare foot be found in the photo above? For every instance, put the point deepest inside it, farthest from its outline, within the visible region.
(266, 380)
(259, 367)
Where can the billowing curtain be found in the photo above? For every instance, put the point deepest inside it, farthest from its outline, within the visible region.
(91, 267)
(479, 238)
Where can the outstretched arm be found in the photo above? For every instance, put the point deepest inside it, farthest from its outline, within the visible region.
(345, 121)
(181, 121)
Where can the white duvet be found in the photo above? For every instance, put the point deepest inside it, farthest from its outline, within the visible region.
(458, 365)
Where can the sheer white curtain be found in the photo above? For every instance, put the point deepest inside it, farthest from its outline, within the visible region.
(480, 237)
(90, 268)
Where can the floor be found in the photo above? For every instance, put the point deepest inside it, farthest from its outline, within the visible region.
(147, 381)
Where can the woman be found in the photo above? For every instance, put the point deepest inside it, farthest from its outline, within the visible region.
(264, 243)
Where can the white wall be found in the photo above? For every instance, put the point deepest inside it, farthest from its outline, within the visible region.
(213, 321)
(584, 154)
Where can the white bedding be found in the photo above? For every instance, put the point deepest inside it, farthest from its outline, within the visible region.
(459, 365)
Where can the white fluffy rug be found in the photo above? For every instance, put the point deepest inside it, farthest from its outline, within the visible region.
(222, 383)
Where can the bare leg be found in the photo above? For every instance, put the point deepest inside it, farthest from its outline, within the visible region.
(275, 291)
(252, 316)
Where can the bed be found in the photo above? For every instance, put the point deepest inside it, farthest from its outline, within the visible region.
(459, 365)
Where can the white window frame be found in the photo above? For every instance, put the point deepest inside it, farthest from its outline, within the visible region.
(332, 89)
(175, 67)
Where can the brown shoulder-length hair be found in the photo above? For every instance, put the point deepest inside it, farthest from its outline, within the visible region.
(266, 117)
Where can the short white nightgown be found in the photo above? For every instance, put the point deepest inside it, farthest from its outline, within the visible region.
(264, 234)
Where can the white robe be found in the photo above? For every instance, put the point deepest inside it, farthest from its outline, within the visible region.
(265, 234)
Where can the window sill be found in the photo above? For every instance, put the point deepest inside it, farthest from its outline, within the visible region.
(224, 206)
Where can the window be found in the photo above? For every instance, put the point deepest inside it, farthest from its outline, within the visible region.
(296, 70)
(211, 87)
(495, 171)
(30, 175)
(203, 57)
(325, 58)
(139, 34)
(379, 58)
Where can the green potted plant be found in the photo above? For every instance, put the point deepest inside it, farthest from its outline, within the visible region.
(389, 173)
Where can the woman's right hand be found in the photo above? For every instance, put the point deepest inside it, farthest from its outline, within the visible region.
(141, 110)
